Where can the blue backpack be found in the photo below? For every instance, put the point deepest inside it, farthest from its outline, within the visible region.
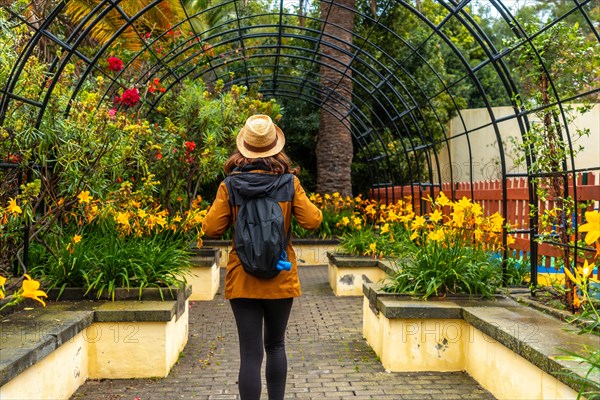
(259, 236)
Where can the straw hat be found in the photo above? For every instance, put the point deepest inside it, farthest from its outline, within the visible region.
(260, 137)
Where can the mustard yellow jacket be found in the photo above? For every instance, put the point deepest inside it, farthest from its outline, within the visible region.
(238, 283)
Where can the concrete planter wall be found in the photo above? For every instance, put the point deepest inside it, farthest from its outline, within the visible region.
(308, 251)
(510, 349)
(205, 276)
(348, 273)
(47, 353)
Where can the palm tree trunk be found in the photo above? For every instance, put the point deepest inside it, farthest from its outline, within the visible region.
(334, 141)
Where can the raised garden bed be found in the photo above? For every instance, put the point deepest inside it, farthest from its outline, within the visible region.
(512, 350)
(348, 273)
(47, 353)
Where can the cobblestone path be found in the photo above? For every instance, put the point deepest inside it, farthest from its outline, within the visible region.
(327, 356)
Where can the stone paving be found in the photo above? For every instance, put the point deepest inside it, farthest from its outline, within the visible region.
(327, 357)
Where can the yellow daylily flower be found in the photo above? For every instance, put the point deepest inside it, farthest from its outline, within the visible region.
(442, 200)
(2, 280)
(385, 228)
(478, 234)
(418, 222)
(436, 216)
(496, 221)
(141, 213)
(123, 218)
(162, 221)
(592, 227)
(463, 204)
(76, 239)
(587, 269)
(84, 197)
(31, 290)
(437, 235)
(458, 217)
(13, 207)
(373, 247)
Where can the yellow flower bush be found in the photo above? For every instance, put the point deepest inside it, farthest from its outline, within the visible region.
(375, 229)
(122, 239)
(452, 249)
(464, 222)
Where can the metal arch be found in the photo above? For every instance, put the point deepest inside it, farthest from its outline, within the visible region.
(264, 66)
(23, 58)
(456, 10)
(389, 73)
(130, 22)
(402, 96)
(411, 114)
(269, 56)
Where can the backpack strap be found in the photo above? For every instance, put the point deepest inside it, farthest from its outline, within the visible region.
(288, 235)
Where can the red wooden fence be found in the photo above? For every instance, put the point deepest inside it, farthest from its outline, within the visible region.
(489, 195)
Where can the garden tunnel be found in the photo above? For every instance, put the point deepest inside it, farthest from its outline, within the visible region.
(399, 75)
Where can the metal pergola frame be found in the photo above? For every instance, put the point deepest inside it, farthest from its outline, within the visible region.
(378, 79)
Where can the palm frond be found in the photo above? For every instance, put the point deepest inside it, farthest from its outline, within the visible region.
(160, 17)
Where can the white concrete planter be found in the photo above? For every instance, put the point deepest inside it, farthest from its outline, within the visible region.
(205, 276)
(47, 353)
(510, 349)
(348, 273)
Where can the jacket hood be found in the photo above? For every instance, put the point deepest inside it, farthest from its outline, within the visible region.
(247, 185)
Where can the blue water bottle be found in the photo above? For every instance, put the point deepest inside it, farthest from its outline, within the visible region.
(283, 264)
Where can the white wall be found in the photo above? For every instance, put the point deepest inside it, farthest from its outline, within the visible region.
(484, 155)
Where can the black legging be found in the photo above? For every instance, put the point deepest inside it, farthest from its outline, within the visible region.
(249, 316)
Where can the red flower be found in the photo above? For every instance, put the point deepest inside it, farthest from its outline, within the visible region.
(115, 64)
(130, 97)
(190, 146)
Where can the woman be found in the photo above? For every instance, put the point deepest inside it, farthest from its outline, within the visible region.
(261, 305)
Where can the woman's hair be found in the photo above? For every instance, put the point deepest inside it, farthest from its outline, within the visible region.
(280, 163)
